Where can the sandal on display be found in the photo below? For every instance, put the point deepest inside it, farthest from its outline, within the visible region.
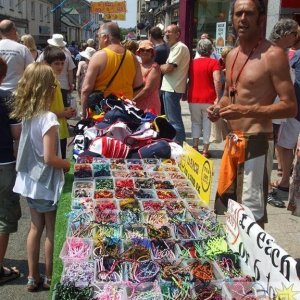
(33, 285)
(8, 274)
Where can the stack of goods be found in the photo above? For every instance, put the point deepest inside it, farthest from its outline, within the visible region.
(138, 230)
(125, 132)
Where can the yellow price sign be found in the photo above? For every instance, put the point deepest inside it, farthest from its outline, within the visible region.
(108, 7)
(199, 170)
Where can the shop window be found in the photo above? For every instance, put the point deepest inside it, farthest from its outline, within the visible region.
(207, 14)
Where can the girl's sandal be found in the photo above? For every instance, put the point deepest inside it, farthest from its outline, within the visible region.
(47, 283)
(32, 285)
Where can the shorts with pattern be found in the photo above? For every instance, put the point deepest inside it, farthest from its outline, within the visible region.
(10, 209)
(245, 172)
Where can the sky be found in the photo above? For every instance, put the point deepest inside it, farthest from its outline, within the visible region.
(130, 15)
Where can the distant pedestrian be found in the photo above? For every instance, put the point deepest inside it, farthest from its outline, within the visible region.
(175, 72)
(204, 90)
(284, 35)
(10, 210)
(40, 167)
(82, 67)
(28, 41)
(162, 51)
(17, 56)
(147, 98)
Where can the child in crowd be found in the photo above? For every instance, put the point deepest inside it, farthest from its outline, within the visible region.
(55, 58)
(39, 164)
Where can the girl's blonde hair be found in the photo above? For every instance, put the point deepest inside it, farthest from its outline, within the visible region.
(34, 93)
(28, 41)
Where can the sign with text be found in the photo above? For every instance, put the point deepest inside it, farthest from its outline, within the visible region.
(271, 266)
(115, 16)
(107, 7)
(220, 36)
(199, 171)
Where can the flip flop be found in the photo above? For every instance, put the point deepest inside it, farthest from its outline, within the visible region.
(13, 273)
(276, 203)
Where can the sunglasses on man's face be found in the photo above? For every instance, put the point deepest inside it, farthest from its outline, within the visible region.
(145, 50)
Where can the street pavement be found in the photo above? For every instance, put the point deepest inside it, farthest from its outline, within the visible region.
(284, 227)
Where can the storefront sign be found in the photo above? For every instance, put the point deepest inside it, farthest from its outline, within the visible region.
(272, 267)
(220, 36)
(115, 16)
(198, 170)
(108, 7)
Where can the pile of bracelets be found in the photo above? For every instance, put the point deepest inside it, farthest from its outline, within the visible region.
(138, 230)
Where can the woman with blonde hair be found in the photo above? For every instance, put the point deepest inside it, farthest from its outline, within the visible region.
(39, 164)
(29, 42)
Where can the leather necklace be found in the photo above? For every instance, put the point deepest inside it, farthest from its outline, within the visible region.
(233, 85)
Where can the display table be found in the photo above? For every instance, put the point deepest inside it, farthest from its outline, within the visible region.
(138, 230)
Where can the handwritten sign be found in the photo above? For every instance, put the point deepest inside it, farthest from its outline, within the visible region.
(198, 170)
(108, 7)
(271, 266)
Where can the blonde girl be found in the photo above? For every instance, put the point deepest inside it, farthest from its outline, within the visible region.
(28, 41)
(39, 164)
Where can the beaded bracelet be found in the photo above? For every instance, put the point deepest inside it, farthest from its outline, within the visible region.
(150, 205)
(130, 216)
(144, 183)
(163, 184)
(157, 218)
(101, 170)
(109, 292)
(107, 216)
(108, 270)
(78, 272)
(104, 184)
(144, 194)
(162, 232)
(70, 291)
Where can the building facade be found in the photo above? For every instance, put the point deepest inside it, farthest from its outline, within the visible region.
(42, 18)
(214, 17)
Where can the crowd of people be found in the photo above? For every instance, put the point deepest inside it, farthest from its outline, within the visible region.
(252, 87)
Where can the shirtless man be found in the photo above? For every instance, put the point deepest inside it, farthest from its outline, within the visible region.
(257, 72)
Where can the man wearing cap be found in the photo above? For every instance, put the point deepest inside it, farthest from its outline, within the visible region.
(175, 72)
(66, 76)
(106, 62)
(16, 55)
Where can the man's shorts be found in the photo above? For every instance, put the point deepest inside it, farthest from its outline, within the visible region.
(41, 205)
(288, 133)
(10, 210)
(244, 173)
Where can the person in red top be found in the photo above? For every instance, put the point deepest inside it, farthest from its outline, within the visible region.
(204, 90)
